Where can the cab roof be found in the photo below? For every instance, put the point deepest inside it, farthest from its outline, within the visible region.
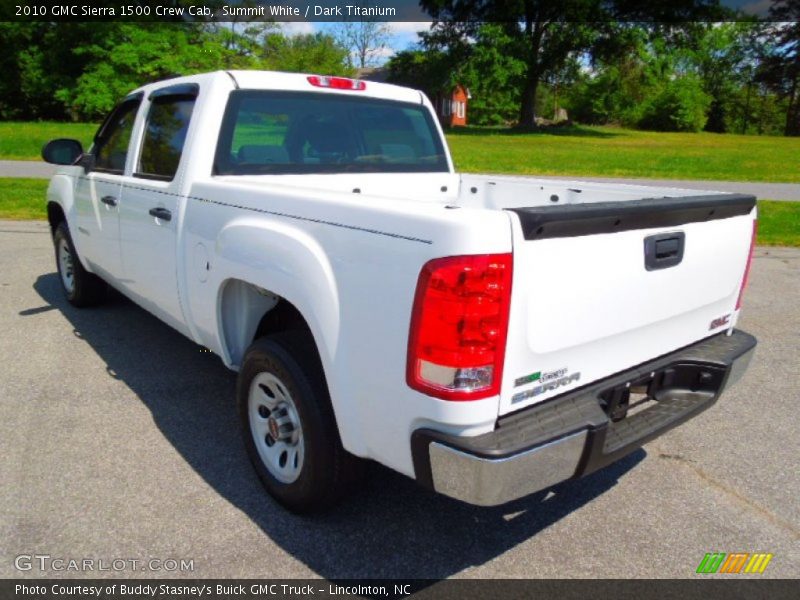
(299, 82)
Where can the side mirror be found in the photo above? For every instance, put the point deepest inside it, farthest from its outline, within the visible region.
(62, 151)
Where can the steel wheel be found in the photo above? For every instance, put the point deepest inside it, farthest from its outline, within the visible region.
(288, 424)
(65, 266)
(275, 427)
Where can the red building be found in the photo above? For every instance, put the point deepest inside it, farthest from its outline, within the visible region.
(452, 107)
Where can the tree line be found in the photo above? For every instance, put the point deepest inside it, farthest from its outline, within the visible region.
(677, 65)
(79, 70)
(671, 65)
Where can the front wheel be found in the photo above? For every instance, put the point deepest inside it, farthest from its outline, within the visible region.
(288, 424)
(80, 287)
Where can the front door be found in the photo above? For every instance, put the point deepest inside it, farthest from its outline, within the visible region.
(98, 193)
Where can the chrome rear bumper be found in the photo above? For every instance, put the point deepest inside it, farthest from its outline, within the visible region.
(488, 482)
(571, 435)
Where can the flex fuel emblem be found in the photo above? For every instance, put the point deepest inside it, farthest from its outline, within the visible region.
(527, 379)
(539, 376)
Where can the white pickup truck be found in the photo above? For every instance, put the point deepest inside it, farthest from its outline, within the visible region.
(488, 336)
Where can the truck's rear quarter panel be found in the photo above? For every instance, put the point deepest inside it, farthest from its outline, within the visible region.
(371, 250)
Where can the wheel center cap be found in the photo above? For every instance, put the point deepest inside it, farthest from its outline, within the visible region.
(274, 431)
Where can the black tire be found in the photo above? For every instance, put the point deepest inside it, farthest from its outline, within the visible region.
(327, 470)
(87, 288)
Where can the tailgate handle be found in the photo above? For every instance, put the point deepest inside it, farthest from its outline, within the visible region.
(663, 250)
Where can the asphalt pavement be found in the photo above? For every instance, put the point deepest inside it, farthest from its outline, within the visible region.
(26, 168)
(766, 191)
(119, 439)
(772, 191)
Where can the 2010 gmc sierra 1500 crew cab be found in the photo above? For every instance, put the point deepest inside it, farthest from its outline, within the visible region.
(488, 336)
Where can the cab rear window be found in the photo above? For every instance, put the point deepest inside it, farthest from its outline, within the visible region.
(267, 132)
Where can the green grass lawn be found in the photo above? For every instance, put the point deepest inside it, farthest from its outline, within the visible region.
(612, 152)
(778, 222)
(24, 141)
(575, 150)
(22, 198)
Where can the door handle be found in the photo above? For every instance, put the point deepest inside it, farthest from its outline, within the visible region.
(161, 213)
(110, 200)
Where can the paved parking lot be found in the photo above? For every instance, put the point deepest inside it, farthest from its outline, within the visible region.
(119, 439)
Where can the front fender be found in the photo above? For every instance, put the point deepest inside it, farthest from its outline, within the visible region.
(61, 191)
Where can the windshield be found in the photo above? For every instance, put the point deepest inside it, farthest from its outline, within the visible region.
(297, 132)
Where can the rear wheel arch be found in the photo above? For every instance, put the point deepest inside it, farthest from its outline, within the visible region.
(248, 312)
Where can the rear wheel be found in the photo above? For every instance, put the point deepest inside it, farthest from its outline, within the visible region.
(288, 424)
(80, 287)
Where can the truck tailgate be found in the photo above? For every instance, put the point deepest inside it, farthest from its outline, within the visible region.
(601, 287)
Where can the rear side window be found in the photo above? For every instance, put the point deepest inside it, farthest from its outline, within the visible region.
(112, 140)
(164, 137)
(292, 132)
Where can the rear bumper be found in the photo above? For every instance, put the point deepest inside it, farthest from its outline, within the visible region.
(572, 435)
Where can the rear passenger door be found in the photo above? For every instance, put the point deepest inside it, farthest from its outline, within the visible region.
(152, 207)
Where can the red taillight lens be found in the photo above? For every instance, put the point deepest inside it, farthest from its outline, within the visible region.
(747, 268)
(337, 83)
(459, 324)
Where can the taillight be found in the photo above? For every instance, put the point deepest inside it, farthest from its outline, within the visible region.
(459, 324)
(337, 83)
(747, 268)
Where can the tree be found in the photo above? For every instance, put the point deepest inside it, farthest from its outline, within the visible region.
(780, 67)
(130, 54)
(493, 73)
(643, 76)
(241, 35)
(79, 70)
(723, 55)
(551, 32)
(37, 60)
(488, 67)
(544, 33)
(427, 70)
(681, 105)
(366, 41)
(309, 53)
